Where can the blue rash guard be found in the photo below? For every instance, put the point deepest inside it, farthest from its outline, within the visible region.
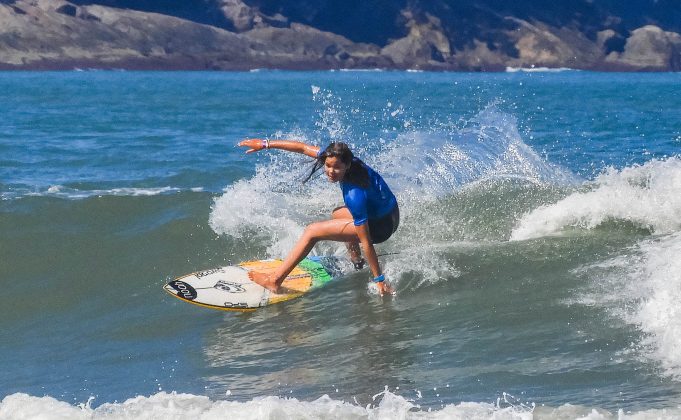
(372, 202)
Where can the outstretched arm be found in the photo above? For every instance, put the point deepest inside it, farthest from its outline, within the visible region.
(255, 145)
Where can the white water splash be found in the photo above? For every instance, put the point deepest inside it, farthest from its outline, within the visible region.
(420, 166)
(658, 314)
(643, 288)
(425, 263)
(648, 196)
(437, 163)
(273, 204)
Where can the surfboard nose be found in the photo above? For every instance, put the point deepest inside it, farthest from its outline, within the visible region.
(182, 289)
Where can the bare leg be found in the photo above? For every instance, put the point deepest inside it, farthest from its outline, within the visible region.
(352, 246)
(335, 230)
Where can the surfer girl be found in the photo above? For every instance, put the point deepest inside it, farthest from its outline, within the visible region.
(370, 214)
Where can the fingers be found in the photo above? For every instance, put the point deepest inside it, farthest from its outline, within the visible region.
(254, 145)
(384, 289)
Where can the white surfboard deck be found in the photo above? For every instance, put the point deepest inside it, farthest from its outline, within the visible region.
(230, 289)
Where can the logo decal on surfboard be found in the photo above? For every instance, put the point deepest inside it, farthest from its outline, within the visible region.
(240, 305)
(230, 287)
(183, 289)
(208, 272)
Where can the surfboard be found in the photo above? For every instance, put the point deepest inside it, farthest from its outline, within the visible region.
(230, 289)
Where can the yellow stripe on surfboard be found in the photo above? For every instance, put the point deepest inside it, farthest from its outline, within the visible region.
(297, 282)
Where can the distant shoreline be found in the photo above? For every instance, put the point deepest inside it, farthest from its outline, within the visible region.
(189, 65)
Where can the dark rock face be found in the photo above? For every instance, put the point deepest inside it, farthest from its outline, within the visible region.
(368, 21)
(207, 12)
(650, 48)
(485, 35)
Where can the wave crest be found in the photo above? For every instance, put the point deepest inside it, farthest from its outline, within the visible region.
(647, 195)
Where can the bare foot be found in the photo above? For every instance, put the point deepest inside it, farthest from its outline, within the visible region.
(265, 280)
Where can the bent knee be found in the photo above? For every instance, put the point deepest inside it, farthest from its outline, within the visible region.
(313, 231)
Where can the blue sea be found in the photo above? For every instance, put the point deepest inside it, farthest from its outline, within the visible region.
(537, 266)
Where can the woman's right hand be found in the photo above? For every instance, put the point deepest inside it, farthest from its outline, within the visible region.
(254, 145)
(384, 289)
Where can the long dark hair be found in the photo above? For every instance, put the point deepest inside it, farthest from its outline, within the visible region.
(355, 174)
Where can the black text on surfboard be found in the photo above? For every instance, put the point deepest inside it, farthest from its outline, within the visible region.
(183, 289)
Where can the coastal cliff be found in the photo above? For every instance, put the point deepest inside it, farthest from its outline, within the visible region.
(473, 35)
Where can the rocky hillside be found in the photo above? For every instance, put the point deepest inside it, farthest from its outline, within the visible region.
(478, 35)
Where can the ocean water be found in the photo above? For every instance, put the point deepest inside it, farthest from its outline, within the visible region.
(536, 268)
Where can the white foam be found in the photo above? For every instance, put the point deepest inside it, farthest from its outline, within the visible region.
(534, 69)
(136, 192)
(187, 406)
(648, 196)
(643, 288)
(171, 406)
(374, 70)
(72, 193)
(655, 288)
